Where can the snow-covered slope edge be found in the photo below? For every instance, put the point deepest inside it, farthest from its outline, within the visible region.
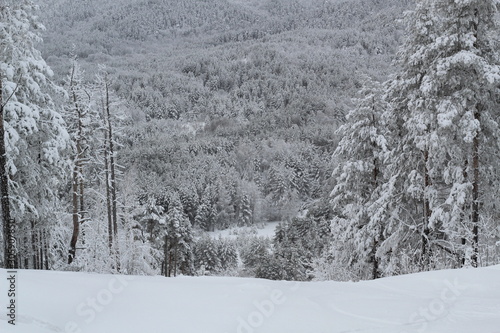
(455, 301)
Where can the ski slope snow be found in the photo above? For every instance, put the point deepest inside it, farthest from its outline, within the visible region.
(448, 301)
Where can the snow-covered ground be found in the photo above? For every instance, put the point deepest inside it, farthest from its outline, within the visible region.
(262, 230)
(451, 301)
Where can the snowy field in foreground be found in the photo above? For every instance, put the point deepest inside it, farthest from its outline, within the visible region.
(443, 301)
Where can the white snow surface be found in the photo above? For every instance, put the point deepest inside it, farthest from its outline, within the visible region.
(262, 230)
(454, 301)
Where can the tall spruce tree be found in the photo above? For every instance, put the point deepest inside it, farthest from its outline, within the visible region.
(360, 155)
(32, 131)
(443, 113)
(178, 241)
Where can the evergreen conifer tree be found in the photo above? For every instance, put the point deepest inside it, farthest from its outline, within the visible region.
(33, 133)
(444, 117)
(358, 176)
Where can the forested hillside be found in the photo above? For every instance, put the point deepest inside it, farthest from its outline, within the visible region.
(265, 84)
(228, 107)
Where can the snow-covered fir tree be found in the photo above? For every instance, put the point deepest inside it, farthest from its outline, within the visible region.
(178, 241)
(214, 256)
(358, 176)
(443, 116)
(245, 218)
(34, 131)
(206, 256)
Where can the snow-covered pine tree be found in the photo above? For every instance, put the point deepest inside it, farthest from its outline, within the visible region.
(206, 256)
(137, 255)
(152, 224)
(189, 200)
(205, 213)
(279, 183)
(470, 70)
(34, 132)
(443, 113)
(202, 218)
(403, 202)
(245, 218)
(255, 252)
(360, 156)
(178, 240)
(213, 256)
(227, 253)
(224, 208)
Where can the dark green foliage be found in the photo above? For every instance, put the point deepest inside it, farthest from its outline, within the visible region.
(204, 218)
(206, 256)
(178, 241)
(227, 253)
(245, 218)
(297, 244)
(271, 268)
(164, 225)
(287, 263)
(256, 252)
(214, 255)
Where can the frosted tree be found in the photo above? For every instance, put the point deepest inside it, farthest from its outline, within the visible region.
(470, 71)
(206, 257)
(205, 213)
(443, 113)
(409, 119)
(104, 83)
(32, 132)
(360, 155)
(137, 256)
(178, 241)
(245, 218)
(79, 117)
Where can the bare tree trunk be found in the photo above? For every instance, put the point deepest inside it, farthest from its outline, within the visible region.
(10, 249)
(40, 251)
(465, 216)
(475, 165)
(175, 259)
(112, 165)
(475, 195)
(375, 261)
(427, 214)
(166, 257)
(24, 247)
(111, 179)
(34, 248)
(76, 219)
(77, 175)
(108, 199)
(46, 247)
(81, 193)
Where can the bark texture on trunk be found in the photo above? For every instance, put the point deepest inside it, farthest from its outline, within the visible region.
(10, 244)
(475, 196)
